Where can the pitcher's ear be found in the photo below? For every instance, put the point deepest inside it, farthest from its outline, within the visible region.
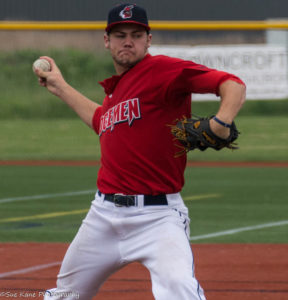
(106, 40)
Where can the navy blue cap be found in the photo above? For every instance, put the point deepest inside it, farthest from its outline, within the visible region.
(127, 13)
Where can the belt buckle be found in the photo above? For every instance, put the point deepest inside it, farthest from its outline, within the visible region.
(126, 200)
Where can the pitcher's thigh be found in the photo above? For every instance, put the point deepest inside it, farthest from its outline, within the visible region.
(86, 265)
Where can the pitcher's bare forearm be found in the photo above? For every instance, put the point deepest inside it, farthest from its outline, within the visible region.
(233, 95)
(84, 107)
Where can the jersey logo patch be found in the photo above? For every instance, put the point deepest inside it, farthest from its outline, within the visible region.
(126, 111)
(126, 13)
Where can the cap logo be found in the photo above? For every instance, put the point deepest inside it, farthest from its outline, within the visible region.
(126, 13)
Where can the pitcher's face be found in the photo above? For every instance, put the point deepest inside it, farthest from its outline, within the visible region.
(128, 44)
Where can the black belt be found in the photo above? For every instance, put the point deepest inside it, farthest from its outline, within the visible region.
(127, 200)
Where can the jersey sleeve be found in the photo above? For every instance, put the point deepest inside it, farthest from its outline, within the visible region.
(202, 80)
(195, 78)
(96, 119)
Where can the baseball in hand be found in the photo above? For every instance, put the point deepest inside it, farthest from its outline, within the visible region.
(41, 64)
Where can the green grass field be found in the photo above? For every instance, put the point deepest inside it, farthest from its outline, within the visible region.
(262, 138)
(33, 200)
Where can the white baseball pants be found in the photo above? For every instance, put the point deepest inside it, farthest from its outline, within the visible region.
(110, 237)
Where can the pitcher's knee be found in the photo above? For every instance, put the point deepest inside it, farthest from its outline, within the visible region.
(177, 280)
(178, 287)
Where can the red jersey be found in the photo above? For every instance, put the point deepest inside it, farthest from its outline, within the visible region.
(137, 147)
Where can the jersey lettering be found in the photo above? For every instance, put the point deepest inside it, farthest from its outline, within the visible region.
(126, 111)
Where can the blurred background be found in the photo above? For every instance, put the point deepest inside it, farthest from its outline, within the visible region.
(89, 10)
(247, 38)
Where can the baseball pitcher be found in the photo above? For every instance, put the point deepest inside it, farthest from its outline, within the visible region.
(138, 213)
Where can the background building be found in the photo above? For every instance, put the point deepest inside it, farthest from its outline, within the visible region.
(93, 10)
(81, 10)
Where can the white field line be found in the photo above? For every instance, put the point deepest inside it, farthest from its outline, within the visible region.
(30, 269)
(238, 230)
(46, 196)
(80, 211)
(76, 193)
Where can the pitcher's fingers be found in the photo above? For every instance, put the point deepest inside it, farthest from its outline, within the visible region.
(40, 73)
(42, 82)
(51, 62)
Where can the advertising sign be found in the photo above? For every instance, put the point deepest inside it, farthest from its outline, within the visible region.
(263, 68)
